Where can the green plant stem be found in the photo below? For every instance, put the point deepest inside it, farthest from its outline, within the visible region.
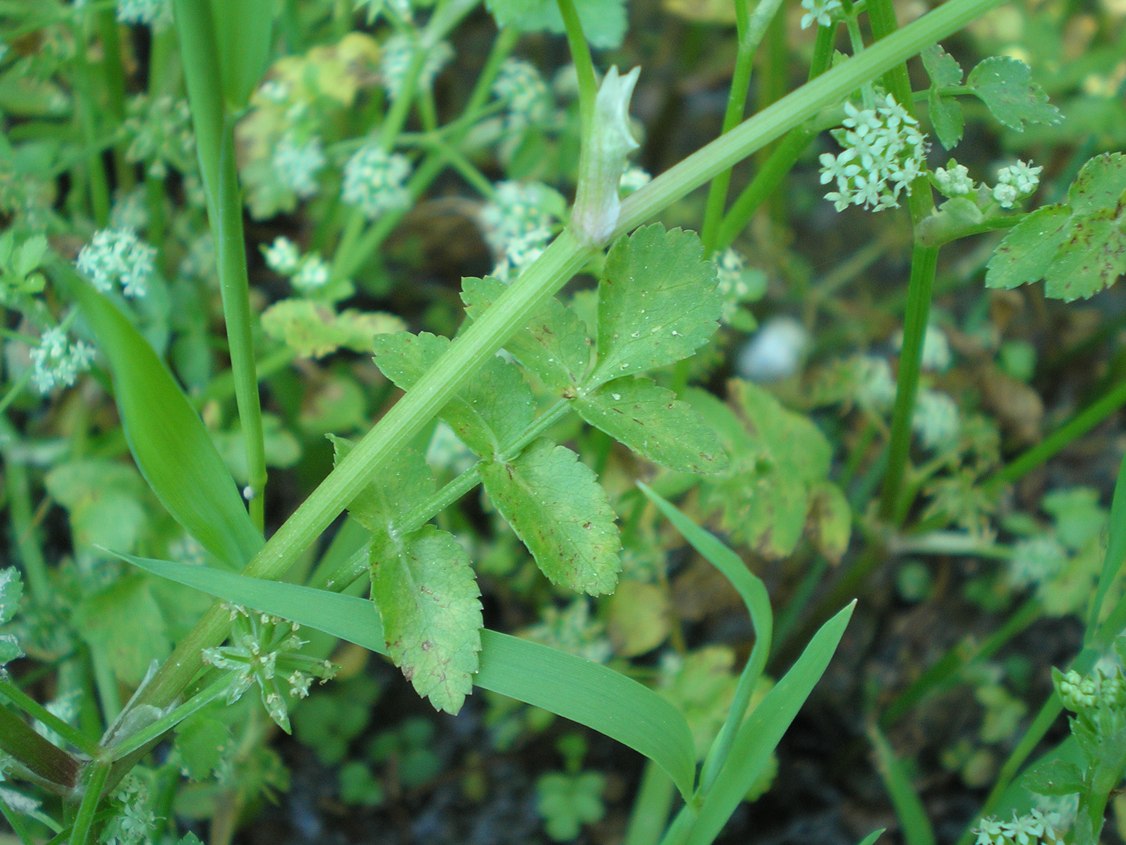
(97, 180)
(584, 65)
(40, 757)
(96, 775)
(560, 261)
(113, 79)
(37, 711)
(651, 807)
(165, 723)
(24, 530)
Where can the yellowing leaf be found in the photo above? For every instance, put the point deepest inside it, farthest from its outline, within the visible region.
(313, 329)
(427, 597)
(559, 511)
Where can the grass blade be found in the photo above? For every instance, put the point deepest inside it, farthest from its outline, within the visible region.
(760, 734)
(577, 689)
(871, 838)
(169, 443)
(917, 828)
(753, 592)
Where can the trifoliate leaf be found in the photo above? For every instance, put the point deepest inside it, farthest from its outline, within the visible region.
(942, 68)
(946, 118)
(125, 624)
(488, 414)
(604, 21)
(651, 421)
(1028, 248)
(559, 511)
(1005, 85)
(11, 591)
(404, 482)
(657, 302)
(554, 345)
(427, 596)
(313, 329)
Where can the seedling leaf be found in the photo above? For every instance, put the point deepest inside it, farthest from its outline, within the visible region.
(657, 302)
(489, 413)
(1005, 85)
(651, 421)
(559, 511)
(428, 598)
(553, 346)
(604, 21)
(585, 692)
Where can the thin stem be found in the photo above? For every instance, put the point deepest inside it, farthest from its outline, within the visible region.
(98, 181)
(97, 773)
(150, 733)
(584, 65)
(24, 529)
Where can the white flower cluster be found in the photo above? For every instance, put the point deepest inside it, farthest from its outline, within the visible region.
(307, 273)
(523, 90)
(735, 282)
(154, 13)
(375, 181)
(160, 134)
(819, 11)
(1030, 829)
(954, 180)
(118, 256)
(935, 420)
(297, 164)
(57, 361)
(517, 225)
(395, 60)
(1015, 183)
(884, 151)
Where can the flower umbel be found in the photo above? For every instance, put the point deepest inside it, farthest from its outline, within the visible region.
(263, 650)
(58, 362)
(884, 151)
(117, 256)
(819, 11)
(375, 181)
(607, 144)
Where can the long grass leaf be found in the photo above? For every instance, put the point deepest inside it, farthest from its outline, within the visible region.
(169, 443)
(761, 733)
(1115, 550)
(753, 592)
(243, 30)
(909, 808)
(577, 689)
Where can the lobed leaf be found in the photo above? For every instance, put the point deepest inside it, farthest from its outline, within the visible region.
(488, 414)
(172, 449)
(428, 599)
(1005, 85)
(585, 692)
(1091, 257)
(559, 511)
(946, 118)
(1028, 248)
(404, 483)
(942, 68)
(657, 303)
(553, 346)
(651, 421)
(1100, 185)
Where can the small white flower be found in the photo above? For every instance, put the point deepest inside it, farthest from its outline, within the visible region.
(282, 256)
(521, 87)
(298, 164)
(954, 180)
(1015, 183)
(57, 362)
(312, 275)
(375, 181)
(118, 256)
(518, 210)
(875, 384)
(819, 11)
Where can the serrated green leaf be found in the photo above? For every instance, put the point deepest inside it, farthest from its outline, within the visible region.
(604, 21)
(554, 345)
(313, 329)
(11, 591)
(1005, 85)
(125, 624)
(577, 689)
(657, 302)
(1028, 248)
(1100, 185)
(201, 745)
(776, 458)
(169, 442)
(428, 599)
(1090, 259)
(942, 68)
(651, 421)
(488, 414)
(559, 511)
(9, 649)
(946, 118)
(404, 482)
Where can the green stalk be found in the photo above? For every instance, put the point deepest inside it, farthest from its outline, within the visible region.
(584, 65)
(651, 808)
(98, 181)
(136, 741)
(84, 819)
(113, 79)
(562, 259)
(24, 530)
(214, 132)
(747, 44)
